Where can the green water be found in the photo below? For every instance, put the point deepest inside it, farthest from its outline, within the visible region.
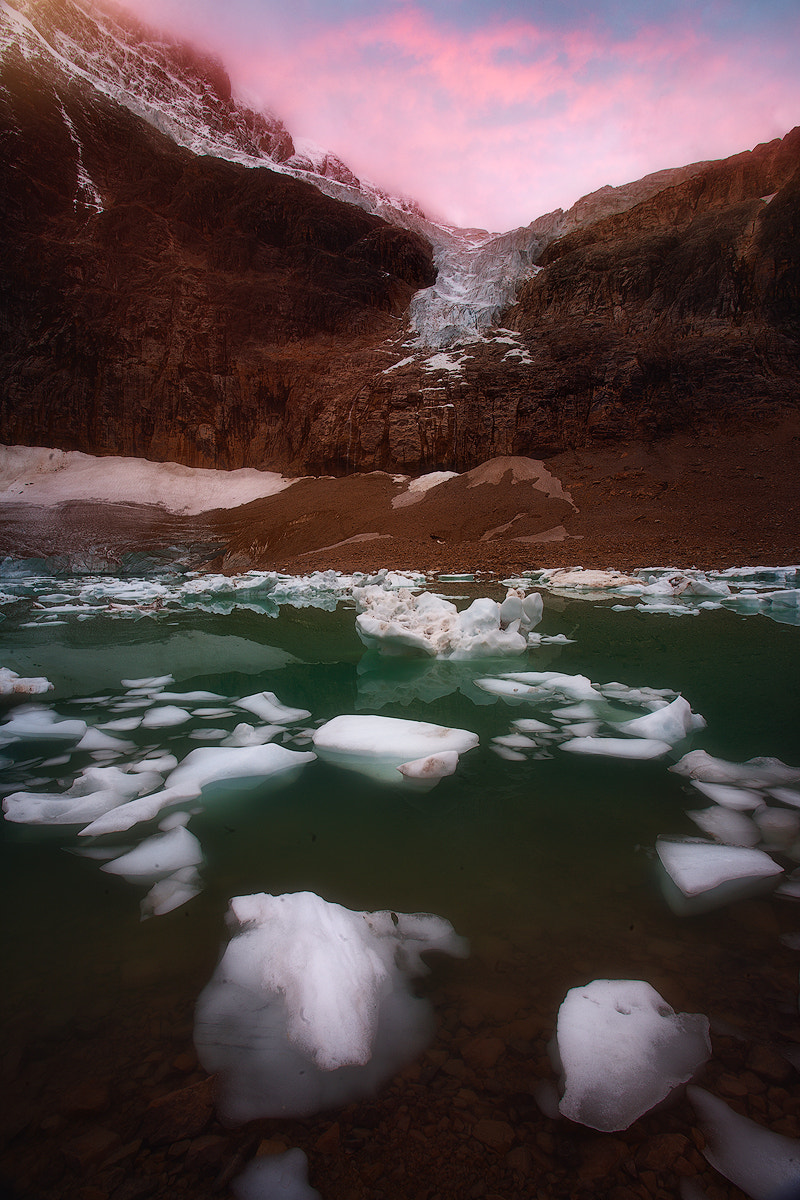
(546, 866)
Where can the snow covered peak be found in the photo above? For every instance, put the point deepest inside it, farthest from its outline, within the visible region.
(182, 91)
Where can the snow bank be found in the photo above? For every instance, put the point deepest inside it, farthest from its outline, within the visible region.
(623, 1050)
(35, 475)
(310, 1005)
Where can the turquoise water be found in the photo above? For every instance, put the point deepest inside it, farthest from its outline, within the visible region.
(545, 865)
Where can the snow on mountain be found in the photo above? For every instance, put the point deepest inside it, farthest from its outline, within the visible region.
(187, 95)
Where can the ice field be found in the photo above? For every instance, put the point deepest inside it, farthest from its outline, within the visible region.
(314, 811)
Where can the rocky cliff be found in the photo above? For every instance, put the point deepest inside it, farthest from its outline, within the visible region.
(180, 281)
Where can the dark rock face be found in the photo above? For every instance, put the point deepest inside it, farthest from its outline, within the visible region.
(188, 318)
(177, 307)
(681, 313)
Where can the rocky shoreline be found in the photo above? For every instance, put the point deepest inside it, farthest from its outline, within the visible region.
(713, 503)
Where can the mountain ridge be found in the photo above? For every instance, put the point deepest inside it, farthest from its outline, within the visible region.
(185, 306)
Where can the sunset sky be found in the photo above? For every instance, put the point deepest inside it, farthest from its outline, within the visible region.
(491, 115)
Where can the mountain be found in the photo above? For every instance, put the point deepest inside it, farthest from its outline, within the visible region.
(182, 280)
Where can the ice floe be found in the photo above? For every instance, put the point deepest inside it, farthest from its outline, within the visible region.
(37, 723)
(764, 1164)
(275, 1177)
(203, 772)
(699, 875)
(12, 684)
(610, 747)
(400, 623)
(726, 825)
(267, 707)
(755, 773)
(622, 1050)
(381, 746)
(670, 724)
(95, 791)
(310, 1005)
(773, 592)
(157, 857)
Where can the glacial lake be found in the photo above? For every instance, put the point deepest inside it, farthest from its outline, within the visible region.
(544, 863)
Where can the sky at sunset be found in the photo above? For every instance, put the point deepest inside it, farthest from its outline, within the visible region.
(492, 114)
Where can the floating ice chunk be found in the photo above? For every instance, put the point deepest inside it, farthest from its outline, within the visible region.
(779, 827)
(670, 724)
(741, 799)
(530, 725)
(575, 712)
(170, 893)
(786, 796)
(623, 1050)
(164, 716)
(310, 1006)
(153, 681)
(268, 707)
(203, 771)
(275, 1177)
(247, 735)
(577, 579)
(639, 748)
(196, 697)
(123, 725)
(432, 768)
(508, 754)
(765, 1165)
(726, 825)
(161, 762)
(515, 741)
(95, 791)
(512, 692)
(399, 623)
(12, 684)
(705, 875)
(756, 772)
(96, 739)
(36, 723)
(158, 856)
(574, 687)
(581, 729)
(377, 746)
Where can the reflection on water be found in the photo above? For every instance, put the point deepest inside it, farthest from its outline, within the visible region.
(546, 865)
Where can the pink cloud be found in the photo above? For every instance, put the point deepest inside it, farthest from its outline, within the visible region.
(495, 125)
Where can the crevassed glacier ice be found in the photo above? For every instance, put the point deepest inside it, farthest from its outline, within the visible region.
(310, 1005)
(623, 1049)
